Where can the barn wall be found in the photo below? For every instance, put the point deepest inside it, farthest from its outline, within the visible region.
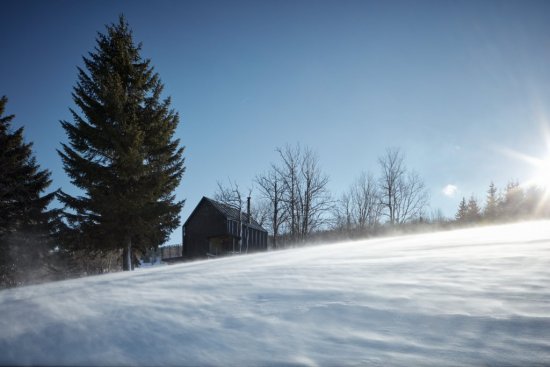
(258, 240)
(205, 222)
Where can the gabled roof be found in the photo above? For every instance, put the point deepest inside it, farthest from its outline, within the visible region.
(230, 213)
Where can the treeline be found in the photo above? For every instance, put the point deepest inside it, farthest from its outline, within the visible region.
(512, 203)
(292, 199)
(122, 156)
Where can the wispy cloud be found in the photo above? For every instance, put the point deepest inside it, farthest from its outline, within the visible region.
(449, 190)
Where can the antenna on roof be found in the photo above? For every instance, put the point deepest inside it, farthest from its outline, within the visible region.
(248, 209)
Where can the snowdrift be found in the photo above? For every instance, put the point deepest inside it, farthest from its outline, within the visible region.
(467, 297)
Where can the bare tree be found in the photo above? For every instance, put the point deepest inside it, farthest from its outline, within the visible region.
(392, 174)
(289, 173)
(271, 188)
(230, 194)
(437, 216)
(295, 194)
(315, 200)
(343, 213)
(233, 196)
(260, 210)
(413, 198)
(403, 193)
(359, 208)
(366, 205)
(306, 196)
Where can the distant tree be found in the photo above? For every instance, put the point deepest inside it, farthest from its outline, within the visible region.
(536, 202)
(315, 200)
(393, 172)
(491, 205)
(403, 193)
(343, 215)
(122, 152)
(359, 208)
(462, 213)
(260, 210)
(307, 199)
(25, 222)
(437, 217)
(512, 203)
(366, 201)
(271, 188)
(473, 213)
(289, 171)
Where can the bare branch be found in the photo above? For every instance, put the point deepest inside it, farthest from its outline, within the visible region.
(403, 193)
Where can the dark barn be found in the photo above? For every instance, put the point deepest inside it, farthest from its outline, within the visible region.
(216, 229)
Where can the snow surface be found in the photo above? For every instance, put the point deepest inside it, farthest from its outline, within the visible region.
(468, 297)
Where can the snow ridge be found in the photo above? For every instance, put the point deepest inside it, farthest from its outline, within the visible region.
(467, 297)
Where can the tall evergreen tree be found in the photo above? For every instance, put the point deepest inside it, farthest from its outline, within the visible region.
(122, 152)
(25, 222)
(491, 205)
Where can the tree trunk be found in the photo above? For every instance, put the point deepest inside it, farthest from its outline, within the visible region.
(127, 256)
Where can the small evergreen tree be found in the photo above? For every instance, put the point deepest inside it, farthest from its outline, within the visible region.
(473, 212)
(512, 202)
(25, 222)
(122, 152)
(491, 206)
(462, 212)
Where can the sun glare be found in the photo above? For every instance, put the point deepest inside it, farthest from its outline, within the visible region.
(539, 179)
(541, 169)
(542, 175)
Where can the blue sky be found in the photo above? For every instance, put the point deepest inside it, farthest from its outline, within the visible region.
(451, 83)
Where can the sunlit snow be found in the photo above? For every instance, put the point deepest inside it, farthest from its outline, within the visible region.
(467, 297)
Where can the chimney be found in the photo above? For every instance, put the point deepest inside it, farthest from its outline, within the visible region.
(248, 209)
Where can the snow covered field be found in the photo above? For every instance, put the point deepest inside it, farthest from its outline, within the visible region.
(468, 297)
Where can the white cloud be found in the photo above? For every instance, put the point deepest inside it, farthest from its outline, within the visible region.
(449, 190)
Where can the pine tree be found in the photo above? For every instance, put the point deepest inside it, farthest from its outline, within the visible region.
(462, 212)
(474, 212)
(25, 222)
(491, 205)
(512, 203)
(122, 152)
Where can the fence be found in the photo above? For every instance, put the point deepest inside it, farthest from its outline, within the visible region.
(168, 252)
